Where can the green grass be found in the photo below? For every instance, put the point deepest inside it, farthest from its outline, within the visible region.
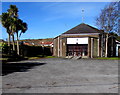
(7, 58)
(33, 57)
(39, 56)
(1, 59)
(109, 58)
(50, 57)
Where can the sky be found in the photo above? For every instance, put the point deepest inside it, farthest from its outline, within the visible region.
(50, 19)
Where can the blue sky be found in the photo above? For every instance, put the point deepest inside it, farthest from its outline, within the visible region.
(50, 19)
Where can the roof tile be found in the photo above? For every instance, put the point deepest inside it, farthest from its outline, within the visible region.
(83, 28)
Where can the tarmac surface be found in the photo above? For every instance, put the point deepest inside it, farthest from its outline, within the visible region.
(58, 75)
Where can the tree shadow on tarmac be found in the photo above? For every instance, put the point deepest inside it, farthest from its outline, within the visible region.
(8, 68)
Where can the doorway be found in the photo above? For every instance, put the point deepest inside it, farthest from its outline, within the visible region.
(77, 49)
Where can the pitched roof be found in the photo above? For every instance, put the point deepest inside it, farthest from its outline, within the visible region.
(37, 42)
(46, 43)
(83, 28)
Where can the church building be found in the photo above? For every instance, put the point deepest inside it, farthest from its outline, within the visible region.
(83, 40)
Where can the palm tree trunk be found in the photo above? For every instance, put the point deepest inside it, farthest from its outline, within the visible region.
(8, 43)
(18, 49)
(13, 42)
(9, 40)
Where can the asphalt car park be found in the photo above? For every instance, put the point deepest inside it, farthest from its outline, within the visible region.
(59, 75)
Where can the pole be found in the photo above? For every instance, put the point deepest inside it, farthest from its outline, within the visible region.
(82, 15)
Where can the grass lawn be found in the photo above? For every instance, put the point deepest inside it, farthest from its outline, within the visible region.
(1, 59)
(111, 58)
(50, 57)
(6, 58)
(39, 56)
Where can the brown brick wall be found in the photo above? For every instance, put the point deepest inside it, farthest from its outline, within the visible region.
(64, 41)
(55, 48)
(89, 47)
(95, 47)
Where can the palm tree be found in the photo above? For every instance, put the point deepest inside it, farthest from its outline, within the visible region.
(6, 23)
(13, 13)
(21, 26)
(24, 28)
(5, 20)
(19, 23)
(13, 28)
(13, 25)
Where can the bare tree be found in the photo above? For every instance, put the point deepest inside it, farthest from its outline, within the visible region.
(108, 18)
(108, 21)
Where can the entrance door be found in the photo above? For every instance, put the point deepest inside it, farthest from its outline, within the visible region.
(77, 49)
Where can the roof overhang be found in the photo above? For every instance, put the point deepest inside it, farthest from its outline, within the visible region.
(118, 42)
(80, 34)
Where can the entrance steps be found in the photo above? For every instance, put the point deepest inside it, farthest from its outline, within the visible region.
(69, 57)
(84, 56)
(76, 57)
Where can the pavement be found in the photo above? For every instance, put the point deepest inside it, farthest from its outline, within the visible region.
(59, 75)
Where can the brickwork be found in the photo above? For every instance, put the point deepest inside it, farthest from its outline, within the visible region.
(89, 47)
(55, 48)
(95, 47)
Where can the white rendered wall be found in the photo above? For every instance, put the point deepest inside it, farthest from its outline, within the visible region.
(77, 40)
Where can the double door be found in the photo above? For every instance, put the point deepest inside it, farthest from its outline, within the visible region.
(77, 49)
